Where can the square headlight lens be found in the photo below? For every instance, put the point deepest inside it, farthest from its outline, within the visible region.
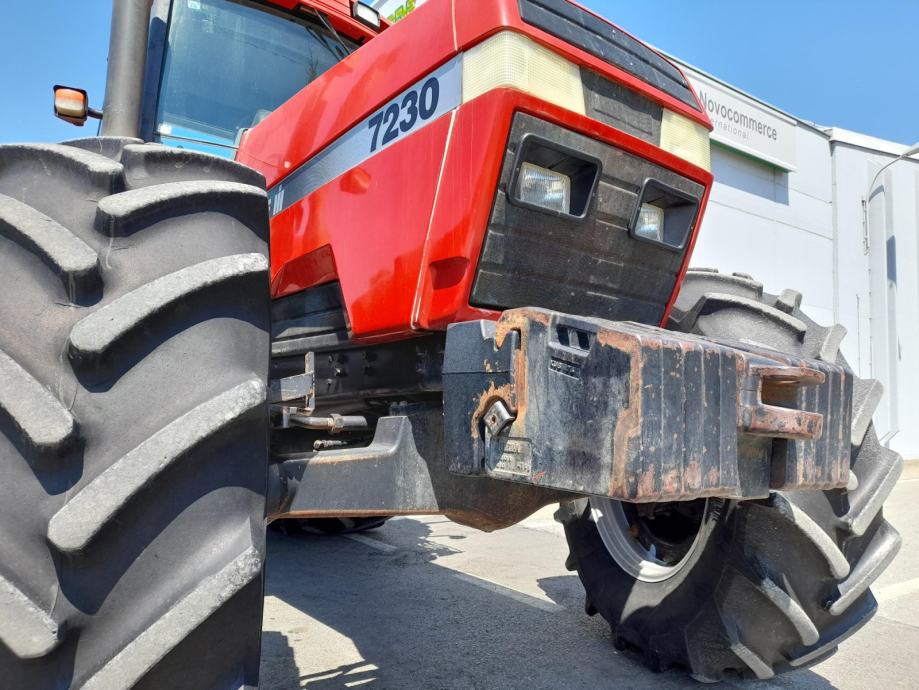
(544, 188)
(650, 223)
(664, 215)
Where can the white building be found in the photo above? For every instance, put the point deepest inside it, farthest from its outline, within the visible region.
(787, 208)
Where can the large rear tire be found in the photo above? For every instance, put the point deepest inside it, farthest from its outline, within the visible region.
(134, 347)
(758, 587)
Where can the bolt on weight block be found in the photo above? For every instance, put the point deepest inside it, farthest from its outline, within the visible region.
(638, 413)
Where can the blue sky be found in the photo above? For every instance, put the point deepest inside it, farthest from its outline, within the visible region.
(850, 63)
(846, 63)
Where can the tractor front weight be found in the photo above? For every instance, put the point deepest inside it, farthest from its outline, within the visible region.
(560, 406)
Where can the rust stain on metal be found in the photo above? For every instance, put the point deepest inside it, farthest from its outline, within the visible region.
(672, 482)
(628, 424)
(712, 477)
(768, 405)
(485, 400)
(519, 320)
(646, 483)
(692, 476)
(521, 378)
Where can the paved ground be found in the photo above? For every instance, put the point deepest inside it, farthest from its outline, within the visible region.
(425, 603)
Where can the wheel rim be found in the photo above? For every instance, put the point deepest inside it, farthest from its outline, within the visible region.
(636, 549)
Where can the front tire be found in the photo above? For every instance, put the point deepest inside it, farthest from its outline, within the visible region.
(765, 586)
(133, 425)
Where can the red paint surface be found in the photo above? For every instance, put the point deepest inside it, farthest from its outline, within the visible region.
(403, 232)
(365, 228)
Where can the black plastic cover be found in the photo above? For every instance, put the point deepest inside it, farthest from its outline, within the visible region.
(620, 107)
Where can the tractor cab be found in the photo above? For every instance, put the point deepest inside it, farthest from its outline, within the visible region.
(215, 68)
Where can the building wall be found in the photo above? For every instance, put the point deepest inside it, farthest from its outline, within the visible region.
(879, 288)
(775, 225)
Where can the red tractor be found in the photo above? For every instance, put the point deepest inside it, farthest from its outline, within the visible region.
(479, 221)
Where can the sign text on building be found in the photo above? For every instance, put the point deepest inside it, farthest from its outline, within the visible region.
(744, 124)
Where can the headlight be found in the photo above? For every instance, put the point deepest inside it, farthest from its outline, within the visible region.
(665, 215)
(544, 188)
(650, 223)
(511, 60)
(687, 139)
(553, 178)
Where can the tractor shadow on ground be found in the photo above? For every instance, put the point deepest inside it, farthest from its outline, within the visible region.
(340, 613)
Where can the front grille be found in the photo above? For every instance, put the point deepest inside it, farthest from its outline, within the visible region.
(591, 267)
(590, 33)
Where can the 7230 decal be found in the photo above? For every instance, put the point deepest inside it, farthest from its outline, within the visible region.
(398, 118)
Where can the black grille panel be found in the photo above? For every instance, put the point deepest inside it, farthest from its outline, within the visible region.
(307, 321)
(622, 108)
(590, 33)
(591, 267)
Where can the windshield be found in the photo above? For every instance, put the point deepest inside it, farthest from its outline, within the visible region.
(228, 65)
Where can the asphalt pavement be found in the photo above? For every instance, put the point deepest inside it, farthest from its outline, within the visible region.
(425, 603)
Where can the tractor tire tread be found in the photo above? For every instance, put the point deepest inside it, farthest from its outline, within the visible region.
(33, 409)
(74, 261)
(142, 653)
(110, 147)
(133, 419)
(25, 627)
(145, 164)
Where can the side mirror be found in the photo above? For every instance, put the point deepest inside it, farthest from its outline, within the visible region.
(72, 105)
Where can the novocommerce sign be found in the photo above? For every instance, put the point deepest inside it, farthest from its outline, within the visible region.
(744, 124)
